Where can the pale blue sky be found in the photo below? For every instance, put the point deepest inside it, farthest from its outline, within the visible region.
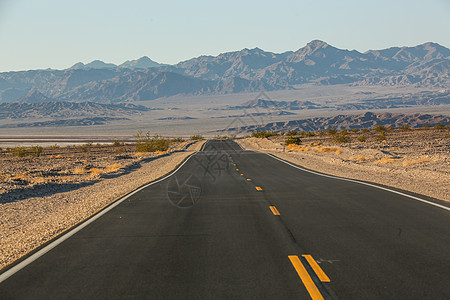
(58, 33)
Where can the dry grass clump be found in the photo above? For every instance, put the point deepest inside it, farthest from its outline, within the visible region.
(359, 158)
(95, 172)
(384, 160)
(38, 180)
(79, 171)
(420, 160)
(112, 168)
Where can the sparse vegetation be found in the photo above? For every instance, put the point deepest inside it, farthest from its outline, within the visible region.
(19, 151)
(380, 128)
(196, 137)
(342, 137)
(362, 138)
(177, 140)
(439, 126)
(148, 143)
(381, 137)
(293, 140)
(332, 131)
(36, 151)
(118, 143)
(404, 127)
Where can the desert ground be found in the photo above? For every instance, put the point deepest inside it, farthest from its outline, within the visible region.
(43, 196)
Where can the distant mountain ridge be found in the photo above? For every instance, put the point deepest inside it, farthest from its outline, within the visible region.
(247, 70)
(365, 120)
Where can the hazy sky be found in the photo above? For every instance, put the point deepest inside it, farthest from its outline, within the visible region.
(38, 34)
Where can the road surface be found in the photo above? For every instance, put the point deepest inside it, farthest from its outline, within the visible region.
(234, 224)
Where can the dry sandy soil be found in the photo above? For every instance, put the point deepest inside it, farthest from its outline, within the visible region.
(40, 197)
(413, 160)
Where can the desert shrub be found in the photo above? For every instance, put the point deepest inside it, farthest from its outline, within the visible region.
(178, 140)
(118, 143)
(362, 138)
(380, 128)
(119, 151)
(55, 146)
(19, 151)
(381, 137)
(232, 136)
(426, 126)
(364, 130)
(342, 137)
(321, 133)
(390, 128)
(196, 137)
(36, 151)
(292, 133)
(264, 134)
(85, 147)
(332, 131)
(404, 127)
(355, 129)
(147, 143)
(293, 140)
(439, 126)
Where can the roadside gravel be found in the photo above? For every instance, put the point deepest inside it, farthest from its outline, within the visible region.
(28, 223)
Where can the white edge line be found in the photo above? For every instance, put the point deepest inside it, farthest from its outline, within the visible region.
(239, 145)
(58, 241)
(361, 182)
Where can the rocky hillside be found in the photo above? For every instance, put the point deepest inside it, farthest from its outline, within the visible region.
(366, 120)
(55, 109)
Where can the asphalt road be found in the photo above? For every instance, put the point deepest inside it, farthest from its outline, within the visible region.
(212, 231)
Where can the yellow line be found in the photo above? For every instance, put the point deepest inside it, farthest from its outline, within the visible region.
(248, 179)
(274, 210)
(315, 266)
(242, 174)
(237, 169)
(306, 279)
(258, 188)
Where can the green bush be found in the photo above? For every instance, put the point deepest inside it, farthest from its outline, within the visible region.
(364, 130)
(381, 137)
(380, 128)
(293, 140)
(439, 126)
(19, 151)
(342, 137)
(404, 127)
(36, 151)
(197, 137)
(362, 138)
(147, 143)
(332, 131)
(178, 140)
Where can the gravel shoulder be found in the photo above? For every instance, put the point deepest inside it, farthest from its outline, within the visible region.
(36, 213)
(415, 169)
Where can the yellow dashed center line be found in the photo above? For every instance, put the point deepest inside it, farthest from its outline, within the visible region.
(237, 170)
(306, 279)
(258, 188)
(248, 179)
(274, 210)
(317, 269)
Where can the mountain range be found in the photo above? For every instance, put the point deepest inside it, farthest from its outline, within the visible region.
(247, 70)
(365, 120)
